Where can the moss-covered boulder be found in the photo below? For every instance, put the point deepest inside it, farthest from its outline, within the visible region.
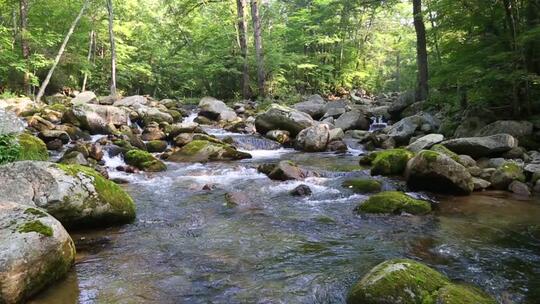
(444, 150)
(437, 172)
(75, 195)
(204, 151)
(35, 250)
(156, 146)
(409, 282)
(145, 161)
(32, 148)
(363, 185)
(393, 202)
(391, 162)
(506, 174)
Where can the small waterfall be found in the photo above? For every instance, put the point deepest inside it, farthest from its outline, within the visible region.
(251, 143)
(377, 123)
(191, 117)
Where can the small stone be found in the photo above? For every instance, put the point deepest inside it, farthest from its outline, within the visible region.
(302, 190)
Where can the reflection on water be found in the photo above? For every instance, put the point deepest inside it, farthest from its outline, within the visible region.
(187, 246)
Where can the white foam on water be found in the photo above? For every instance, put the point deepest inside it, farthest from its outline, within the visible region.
(316, 184)
(191, 117)
(221, 132)
(267, 154)
(96, 138)
(336, 200)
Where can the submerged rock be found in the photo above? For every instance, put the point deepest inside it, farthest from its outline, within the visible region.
(285, 170)
(75, 195)
(205, 150)
(482, 146)
(35, 250)
(409, 282)
(393, 202)
(390, 162)
(302, 190)
(279, 117)
(434, 171)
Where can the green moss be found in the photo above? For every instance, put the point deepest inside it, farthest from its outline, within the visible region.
(194, 147)
(58, 108)
(9, 149)
(512, 169)
(36, 226)
(430, 156)
(463, 294)
(367, 160)
(32, 148)
(444, 150)
(393, 202)
(398, 281)
(156, 146)
(144, 161)
(391, 162)
(107, 191)
(124, 144)
(363, 185)
(36, 212)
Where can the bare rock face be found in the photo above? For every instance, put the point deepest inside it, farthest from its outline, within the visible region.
(35, 250)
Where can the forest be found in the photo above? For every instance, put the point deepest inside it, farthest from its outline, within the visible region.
(270, 151)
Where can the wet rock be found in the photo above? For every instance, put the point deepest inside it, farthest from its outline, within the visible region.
(425, 142)
(97, 119)
(183, 139)
(285, 170)
(185, 127)
(279, 117)
(511, 127)
(145, 161)
(238, 199)
(84, 98)
(390, 162)
(480, 184)
(433, 171)
(40, 124)
(153, 132)
(215, 109)
(156, 146)
(153, 115)
(205, 150)
(353, 120)
(313, 139)
(338, 146)
(314, 106)
(75, 195)
(301, 190)
(281, 136)
(336, 134)
(405, 129)
(482, 146)
(506, 174)
(363, 185)
(74, 158)
(35, 251)
(50, 135)
(410, 282)
(519, 188)
(393, 202)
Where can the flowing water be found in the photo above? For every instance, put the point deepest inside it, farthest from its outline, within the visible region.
(188, 246)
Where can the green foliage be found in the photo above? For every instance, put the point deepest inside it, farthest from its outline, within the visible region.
(37, 227)
(9, 149)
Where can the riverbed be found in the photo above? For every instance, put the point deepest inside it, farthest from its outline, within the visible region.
(188, 246)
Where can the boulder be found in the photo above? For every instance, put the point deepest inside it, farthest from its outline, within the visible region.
(10, 123)
(390, 162)
(434, 171)
(150, 114)
(84, 97)
(519, 188)
(511, 127)
(301, 190)
(153, 132)
(131, 101)
(75, 195)
(212, 108)
(184, 127)
(204, 151)
(285, 170)
(313, 139)
(314, 106)
(480, 184)
(40, 124)
(143, 160)
(425, 142)
(35, 251)
(409, 282)
(30, 148)
(400, 104)
(336, 108)
(50, 135)
(353, 120)
(97, 119)
(482, 146)
(279, 117)
(506, 174)
(393, 202)
(363, 185)
(74, 158)
(156, 146)
(403, 130)
(280, 136)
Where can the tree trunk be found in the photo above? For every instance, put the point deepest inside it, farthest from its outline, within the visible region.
(435, 34)
(258, 45)
(421, 52)
(89, 58)
(113, 48)
(242, 39)
(25, 47)
(512, 33)
(60, 53)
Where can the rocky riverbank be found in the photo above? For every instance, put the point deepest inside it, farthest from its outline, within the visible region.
(58, 173)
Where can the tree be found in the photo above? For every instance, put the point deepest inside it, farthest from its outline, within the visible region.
(113, 47)
(25, 47)
(258, 46)
(60, 53)
(242, 39)
(422, 89)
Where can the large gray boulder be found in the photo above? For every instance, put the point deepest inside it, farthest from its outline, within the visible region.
(131, 101)
(10, 123)
(512, 127)
(314, 106)
(313, 139)
(425, 142)
(403, 130)
(97, 119)
(213, 108)
(35, 250)
(84, 97)
(353, 120)
(75, 195)
(207, 149)
(279, 117)
(482, 146)
(434, 171)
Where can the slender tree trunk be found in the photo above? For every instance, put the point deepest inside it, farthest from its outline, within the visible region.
(398, 71)
(242, 39)
(512, 31)
(15, 28)
(113, 48)
(435, 33)
(421, 52)
(258, 46)
(25, 47)
(89, 58)
(60, 53)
